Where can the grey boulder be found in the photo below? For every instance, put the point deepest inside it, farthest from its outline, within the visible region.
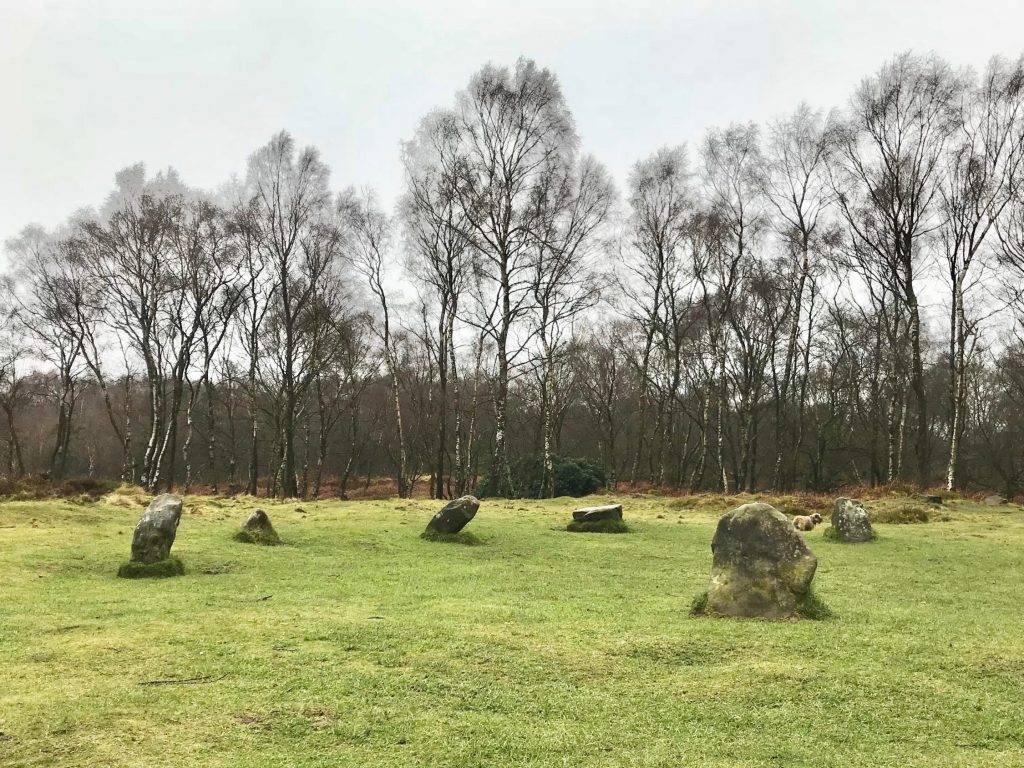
(257, 529)
(156, 530)
(761, 566)
(850, 522)
(454, 516)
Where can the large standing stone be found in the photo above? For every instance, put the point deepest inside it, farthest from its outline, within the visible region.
(594, 514)
(455, 515)
(155, 532)
(850, 522)
(761, 565)
(257, 529)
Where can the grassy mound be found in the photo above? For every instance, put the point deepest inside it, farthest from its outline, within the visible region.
(462, 537)
(161, 569)
(265, 538)
(905, 513)
(597, 526)
(127, 496)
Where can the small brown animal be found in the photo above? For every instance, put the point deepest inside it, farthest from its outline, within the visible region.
(806, 522)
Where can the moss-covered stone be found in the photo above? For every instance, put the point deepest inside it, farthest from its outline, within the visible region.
(761, 566)
(155, 532)
(593, 514)
(257, 529)
(850, 522)
(454, 516)
(161, 569)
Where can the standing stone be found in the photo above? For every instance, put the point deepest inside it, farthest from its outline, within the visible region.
(761, 567)
(155, 532)
(595, 514)
(257, 530)
(994, 501)
(850, 522)
(455, 515)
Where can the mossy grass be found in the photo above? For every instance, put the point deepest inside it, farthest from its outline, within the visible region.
(257, 536)
(699, 604)
(811, 607)
(462, 537)
(161, 569)
(597, 526)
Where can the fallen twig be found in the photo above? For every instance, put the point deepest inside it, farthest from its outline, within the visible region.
(184, 681)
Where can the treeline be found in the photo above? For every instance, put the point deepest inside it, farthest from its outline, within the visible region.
(831, 298)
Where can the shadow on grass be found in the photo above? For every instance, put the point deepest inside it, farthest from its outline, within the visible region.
(462, 537)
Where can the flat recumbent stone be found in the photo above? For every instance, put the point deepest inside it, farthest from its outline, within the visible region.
(594, 514)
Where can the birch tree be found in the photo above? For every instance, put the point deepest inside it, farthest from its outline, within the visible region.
(513, 126)
(661, 202)
(890, 154)
(983, 171)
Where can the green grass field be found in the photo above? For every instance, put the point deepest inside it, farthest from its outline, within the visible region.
(360, 644)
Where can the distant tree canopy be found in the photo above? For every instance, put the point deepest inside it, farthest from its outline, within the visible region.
(827, 299)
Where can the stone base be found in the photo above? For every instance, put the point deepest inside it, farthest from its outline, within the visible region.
(258, 536)
(597, 526)
(593, 514)
(161, 569)
(831, 534)
(809, 606)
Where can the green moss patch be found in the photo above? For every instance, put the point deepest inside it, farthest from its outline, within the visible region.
(699, 604)
(161, 569)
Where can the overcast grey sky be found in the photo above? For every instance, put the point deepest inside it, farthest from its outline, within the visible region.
(89, 87)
